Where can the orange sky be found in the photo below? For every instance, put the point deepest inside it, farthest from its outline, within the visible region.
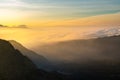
(40, 13)
(101, 20)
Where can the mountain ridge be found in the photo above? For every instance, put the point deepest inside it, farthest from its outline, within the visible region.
(15, 66)
(40, 61)
(92, 59)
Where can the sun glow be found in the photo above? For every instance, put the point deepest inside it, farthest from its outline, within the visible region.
(8, 16)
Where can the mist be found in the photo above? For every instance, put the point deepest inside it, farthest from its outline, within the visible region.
(31, 37)
(47, 41)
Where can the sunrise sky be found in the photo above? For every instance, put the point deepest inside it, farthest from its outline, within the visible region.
(38, 13)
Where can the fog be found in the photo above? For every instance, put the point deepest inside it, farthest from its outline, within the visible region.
(43, 41)
(31, 37)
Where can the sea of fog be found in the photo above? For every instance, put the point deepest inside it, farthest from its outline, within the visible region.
(33, 37)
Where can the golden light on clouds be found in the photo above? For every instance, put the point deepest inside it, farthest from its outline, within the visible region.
(102, 20)
(39, 13)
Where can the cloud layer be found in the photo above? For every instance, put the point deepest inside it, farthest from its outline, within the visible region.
(44, 10)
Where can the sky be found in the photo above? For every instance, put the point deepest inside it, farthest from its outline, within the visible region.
(37, 13)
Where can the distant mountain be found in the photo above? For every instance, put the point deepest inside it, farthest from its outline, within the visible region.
(19, 26)
(114, 31)
(75, 50)
(15, 66)
(92, 59)
(39, 60)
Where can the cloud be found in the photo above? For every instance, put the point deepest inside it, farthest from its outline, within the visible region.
(96, 21)
(3, 26)
(63, 8)
(21, 26)
(89, 8)
(44, 10)
(11, 3)
(114, 31)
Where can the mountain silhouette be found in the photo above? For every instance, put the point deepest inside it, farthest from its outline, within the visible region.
(15, 66)
(92, 59)
(40, 61)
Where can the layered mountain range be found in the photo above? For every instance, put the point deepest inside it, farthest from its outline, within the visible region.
(16, 66)
(92, 59)
(39, 60)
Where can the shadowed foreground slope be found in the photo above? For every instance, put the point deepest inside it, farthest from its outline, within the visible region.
(40, 61)
(15, 66)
